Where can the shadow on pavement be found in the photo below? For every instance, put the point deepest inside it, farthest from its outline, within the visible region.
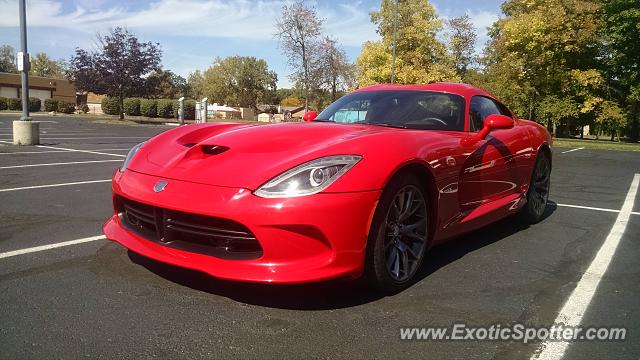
(334, 294)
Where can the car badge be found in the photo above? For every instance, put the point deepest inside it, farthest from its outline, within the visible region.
(160, 185)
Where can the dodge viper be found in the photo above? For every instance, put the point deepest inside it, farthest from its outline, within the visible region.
(361, 190)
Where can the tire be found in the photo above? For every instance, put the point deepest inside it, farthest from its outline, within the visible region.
(399, 235)
(538, 192)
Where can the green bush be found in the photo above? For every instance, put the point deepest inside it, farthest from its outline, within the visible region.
(14, 104)
(35, 104)
(111, 106)
(85, 108)
(189, 109)
(149, 107)
(165, 108)
(3, 103)
(50, 105)
(66, 107)
(131, 106)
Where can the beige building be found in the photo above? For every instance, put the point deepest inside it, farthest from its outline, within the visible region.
(40, 87)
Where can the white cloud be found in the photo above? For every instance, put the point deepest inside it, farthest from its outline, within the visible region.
(350, 23)
(49, 13)
(240, 19)
(482, 20)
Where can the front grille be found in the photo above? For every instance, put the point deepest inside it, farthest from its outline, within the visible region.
(222, 238)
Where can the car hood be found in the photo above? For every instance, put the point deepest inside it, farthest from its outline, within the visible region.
(245, 155)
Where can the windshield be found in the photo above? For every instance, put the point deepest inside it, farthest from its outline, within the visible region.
(407, 109)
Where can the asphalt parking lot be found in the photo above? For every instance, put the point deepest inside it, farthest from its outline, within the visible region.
(95, 299)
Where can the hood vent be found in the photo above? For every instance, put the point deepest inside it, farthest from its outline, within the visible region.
(213, 149)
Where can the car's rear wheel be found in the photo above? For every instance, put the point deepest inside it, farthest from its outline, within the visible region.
(399, 235)
(538, 193)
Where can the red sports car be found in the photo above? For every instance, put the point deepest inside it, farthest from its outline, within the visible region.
(362, 189)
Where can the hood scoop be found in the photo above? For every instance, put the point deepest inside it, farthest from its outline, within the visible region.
(213, 149)
(201, 151)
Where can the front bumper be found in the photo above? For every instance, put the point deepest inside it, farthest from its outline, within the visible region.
(303, 239)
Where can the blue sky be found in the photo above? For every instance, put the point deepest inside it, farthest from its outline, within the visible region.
(193, 32)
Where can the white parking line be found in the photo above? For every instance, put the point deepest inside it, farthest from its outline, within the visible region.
(68, 149)
(594, 208)
(84, 151)
(59, 163)
(93, 138)
(53, 151)
(568, 151)
(50, 246)
(49, 133)
(573, 310)
(55, 185)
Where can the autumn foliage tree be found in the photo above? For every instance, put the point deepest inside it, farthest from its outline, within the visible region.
(542, 60)
(621, 32)
(565, 63)
(420, 56)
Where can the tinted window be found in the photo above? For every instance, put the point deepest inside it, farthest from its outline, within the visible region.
(411, 109)
(503, 110)
(479, 108)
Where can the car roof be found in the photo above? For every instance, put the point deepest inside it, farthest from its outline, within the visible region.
(462, 89)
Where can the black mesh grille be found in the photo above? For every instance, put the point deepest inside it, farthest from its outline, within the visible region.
(201, 234)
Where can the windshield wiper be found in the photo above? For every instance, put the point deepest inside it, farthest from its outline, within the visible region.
(322, 120)
(397, 126)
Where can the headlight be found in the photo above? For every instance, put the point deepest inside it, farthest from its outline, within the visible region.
(130, 156)
(308, 178)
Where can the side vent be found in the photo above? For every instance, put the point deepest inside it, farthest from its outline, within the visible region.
(213, 149)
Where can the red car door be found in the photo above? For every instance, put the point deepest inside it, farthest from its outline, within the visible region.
(494, 166)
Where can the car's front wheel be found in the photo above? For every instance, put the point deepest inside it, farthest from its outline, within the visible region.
(399, 235)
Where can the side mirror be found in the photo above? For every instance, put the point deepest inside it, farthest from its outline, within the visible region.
(494, 122)
(309, 115)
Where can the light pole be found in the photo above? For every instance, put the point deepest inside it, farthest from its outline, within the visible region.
(23, 62)
(395, 30)
(25, 131)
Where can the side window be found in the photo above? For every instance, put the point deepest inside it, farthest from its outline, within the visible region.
(352, 112)
(479, 108)
(503, 110)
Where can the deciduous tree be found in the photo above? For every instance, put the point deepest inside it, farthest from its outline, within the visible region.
(8, 59)
(195, 85)
(621, 30)
(238, 80)
(420, 56)
(462, 41)
(298, 31)
(42, 65)
(291, 101)
(165, 84)
(335, 71)
(118, 67)
(547, 51)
